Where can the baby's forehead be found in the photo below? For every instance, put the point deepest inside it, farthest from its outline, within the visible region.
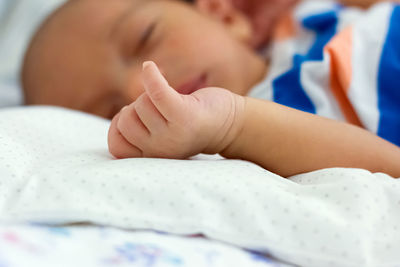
(98, 13)
(83, 21)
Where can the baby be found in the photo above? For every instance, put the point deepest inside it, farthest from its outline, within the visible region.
(89, 56)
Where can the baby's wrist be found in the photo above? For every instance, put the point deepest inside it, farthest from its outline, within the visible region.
(232, 136)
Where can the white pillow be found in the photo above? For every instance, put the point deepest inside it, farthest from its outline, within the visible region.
(55, 168)
(19, 19)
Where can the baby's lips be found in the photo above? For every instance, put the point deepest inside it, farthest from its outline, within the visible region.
(193, 85)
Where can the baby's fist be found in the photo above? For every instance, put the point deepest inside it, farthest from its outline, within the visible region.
(165, 124)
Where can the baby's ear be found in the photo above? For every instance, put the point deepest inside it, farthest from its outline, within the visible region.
(233, 19)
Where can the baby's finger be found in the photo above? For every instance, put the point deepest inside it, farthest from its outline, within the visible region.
(164, 97)
(149, 114)
(117, 144)
(132, 128)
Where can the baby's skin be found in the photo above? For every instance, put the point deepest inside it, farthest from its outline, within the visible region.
(166, 124)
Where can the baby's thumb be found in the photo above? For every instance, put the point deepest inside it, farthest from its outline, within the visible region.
(163, 96)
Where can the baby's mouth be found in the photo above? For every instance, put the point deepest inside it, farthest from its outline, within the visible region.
(193, 85)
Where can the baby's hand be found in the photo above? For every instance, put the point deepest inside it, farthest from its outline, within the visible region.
(165, 124)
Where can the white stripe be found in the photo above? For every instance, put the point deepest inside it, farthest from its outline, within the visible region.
(347, 17)
(369, 35)
(315, 75)
(315, 79)
(312, 7)
(282, 53)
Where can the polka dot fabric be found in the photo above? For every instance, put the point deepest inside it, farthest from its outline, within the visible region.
(55, 168)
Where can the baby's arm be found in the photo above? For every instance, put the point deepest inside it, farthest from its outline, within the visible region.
(288, 142)
(164, 123)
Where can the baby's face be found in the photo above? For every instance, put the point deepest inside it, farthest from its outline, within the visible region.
(89, 56)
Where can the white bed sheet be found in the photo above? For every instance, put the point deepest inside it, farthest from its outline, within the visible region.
(55, 168)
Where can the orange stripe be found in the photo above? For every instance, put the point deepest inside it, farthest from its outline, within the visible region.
(340, 51)
(285, 28)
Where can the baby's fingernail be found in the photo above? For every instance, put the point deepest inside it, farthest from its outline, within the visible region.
(146, 64)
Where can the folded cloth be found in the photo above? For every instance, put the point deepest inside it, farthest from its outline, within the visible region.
(40, 245)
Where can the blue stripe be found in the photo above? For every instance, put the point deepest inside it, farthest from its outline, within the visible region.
(389, 83)
(287, 88)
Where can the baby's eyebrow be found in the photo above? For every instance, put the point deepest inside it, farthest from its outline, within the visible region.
(131, 10)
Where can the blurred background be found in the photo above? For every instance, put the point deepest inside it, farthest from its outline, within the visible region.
(18, 21)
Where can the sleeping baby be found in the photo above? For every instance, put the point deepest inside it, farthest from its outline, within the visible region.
(179, 79)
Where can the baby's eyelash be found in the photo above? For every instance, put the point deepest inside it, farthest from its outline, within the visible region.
(147, 33)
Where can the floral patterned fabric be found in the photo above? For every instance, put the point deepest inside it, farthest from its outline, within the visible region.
(39, 245)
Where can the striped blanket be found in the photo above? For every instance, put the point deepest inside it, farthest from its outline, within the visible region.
(339, 62)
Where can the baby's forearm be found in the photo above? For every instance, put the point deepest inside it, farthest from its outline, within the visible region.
(288, 142)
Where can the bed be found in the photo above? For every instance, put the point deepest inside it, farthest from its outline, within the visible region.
(64, 201)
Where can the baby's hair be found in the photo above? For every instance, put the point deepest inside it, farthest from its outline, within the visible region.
(189, 1)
